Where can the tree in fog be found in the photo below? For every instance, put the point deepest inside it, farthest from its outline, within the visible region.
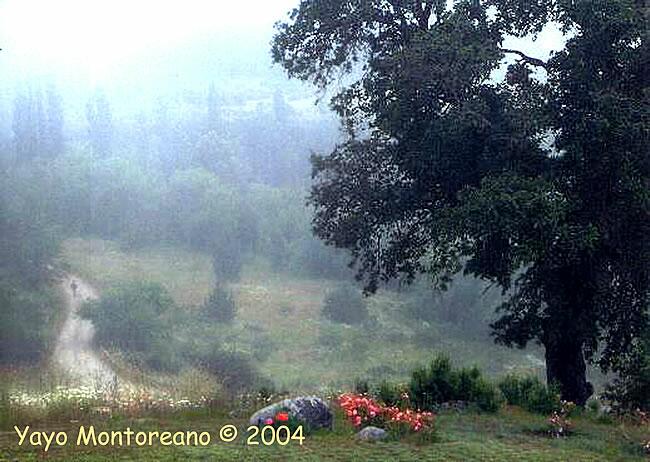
(214, 149)
(444, 168)
(38, 123)
(281, 109)
(214, 109)
(100, 124)
(29, 124)
(54, 142)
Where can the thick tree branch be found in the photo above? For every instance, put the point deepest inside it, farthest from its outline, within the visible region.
(528, 59)
(422, 12)
(426, 14)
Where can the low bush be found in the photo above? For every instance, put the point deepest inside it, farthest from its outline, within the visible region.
(393, 395)
(433, 385)
(388, 393)
(630, 390)
(440, 383)
(485, 395)
(530, 393)
(135, 318)
(345, 304)
(234, 370)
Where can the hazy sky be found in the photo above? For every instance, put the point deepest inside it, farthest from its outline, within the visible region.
(96, 37)
(138, 48)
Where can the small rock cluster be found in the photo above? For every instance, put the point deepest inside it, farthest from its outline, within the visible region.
(457, 406)
(313, 412)
(372, 434)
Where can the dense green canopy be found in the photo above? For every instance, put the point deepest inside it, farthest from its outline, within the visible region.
(539, 181)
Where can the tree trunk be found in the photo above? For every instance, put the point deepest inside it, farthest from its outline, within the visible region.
(566, 367)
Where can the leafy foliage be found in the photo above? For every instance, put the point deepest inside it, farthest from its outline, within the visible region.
(630, 391)
(440, 383)
(26, 318)
(529, 393)
(135, 318)
(28, 242)
(444, 169)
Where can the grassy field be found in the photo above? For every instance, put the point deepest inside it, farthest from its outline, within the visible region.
(511, 435)
(187, 276)
(286, 311)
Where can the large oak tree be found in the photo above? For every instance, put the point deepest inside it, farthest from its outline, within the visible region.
(538, 181)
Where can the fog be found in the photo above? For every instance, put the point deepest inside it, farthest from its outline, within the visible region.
(140, 52)
(418, 220)
(156, 238)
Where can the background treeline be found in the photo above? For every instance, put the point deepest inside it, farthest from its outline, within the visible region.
(194, 172)
(201, 171)
(198, 172)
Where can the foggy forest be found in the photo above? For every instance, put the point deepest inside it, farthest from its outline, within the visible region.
(324, 230)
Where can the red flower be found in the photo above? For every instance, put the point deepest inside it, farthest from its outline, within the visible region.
(361, 409)
(282, 417)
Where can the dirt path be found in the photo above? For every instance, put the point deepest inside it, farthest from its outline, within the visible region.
(74, 351)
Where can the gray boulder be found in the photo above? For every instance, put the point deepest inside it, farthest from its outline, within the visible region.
(372, 434)
(311, 411)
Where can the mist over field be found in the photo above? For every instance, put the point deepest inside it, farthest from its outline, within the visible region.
(208, 207)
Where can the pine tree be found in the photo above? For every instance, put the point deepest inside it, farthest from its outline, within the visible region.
(54, 123)
(100, 124)
(29, 124)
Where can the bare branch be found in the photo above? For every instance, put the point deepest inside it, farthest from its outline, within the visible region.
(528, 59)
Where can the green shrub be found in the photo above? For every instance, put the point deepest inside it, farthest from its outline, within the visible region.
(26, 324)
(467, 384)
(220, 305)
(388, 393)
(435, 384)
(486, 395)
(440, 383)
(345, 304)
(529, 393)
(135, 318)
(631, 389)
(393, 395)
(234, 369)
